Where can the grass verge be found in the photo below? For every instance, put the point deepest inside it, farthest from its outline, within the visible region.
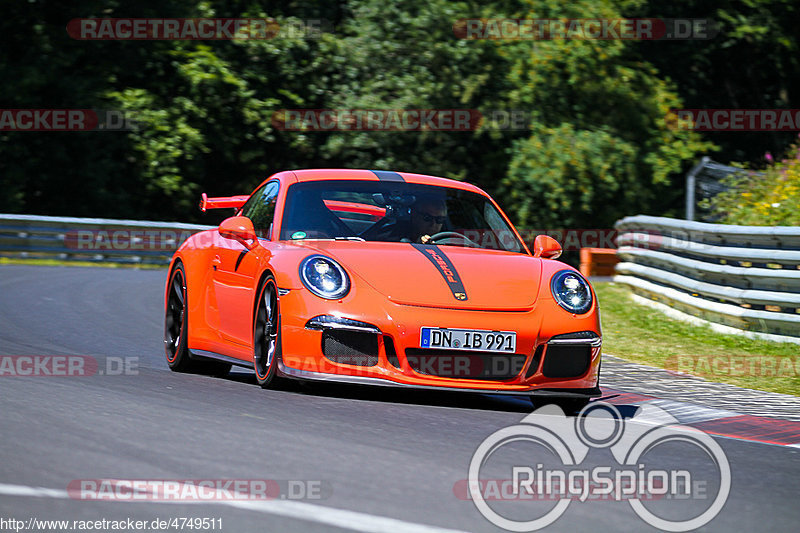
(644, 335)
(59, 262)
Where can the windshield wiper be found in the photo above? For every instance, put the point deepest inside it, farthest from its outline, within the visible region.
(359, 239)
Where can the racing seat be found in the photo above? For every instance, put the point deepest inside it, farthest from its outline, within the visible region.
(309, 214)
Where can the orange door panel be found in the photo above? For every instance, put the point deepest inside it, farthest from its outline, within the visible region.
(234, 269)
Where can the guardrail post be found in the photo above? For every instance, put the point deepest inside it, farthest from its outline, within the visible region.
(691, 183)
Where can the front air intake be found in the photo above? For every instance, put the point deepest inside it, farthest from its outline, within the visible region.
(566, 360)
(350, 347)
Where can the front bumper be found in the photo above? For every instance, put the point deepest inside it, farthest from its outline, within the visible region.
(285, 371)
(396, 330)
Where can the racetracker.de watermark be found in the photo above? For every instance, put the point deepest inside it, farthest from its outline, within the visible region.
(571, 240)
(548, 457)
(322, 120)
(412, 120)
(198, 490)
(719, 366)
(161, 240)
(734, 119)
(66, 120)
(127, 239)
(194, 29)
(177, 523)
(461, 120)
(536, 29)
(66, 366)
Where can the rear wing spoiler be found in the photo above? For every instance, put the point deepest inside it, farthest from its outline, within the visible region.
(221, 202)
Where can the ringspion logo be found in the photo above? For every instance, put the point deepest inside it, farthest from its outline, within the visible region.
(681, 496)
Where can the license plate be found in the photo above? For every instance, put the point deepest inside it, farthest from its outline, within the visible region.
(469, 339)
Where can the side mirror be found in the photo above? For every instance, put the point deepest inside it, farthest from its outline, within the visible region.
(239, 229)
(546, 247)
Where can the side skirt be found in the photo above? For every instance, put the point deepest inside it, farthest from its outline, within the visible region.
(202, 354)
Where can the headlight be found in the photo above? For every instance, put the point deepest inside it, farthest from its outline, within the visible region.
(324, 277)
(571, 292)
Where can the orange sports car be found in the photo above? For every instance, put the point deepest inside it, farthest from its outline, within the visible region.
(381, 278)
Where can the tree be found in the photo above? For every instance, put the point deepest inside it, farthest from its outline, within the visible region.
(601, 144)
(751, 62)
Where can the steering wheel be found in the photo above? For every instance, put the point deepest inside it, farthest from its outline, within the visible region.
(454, 235)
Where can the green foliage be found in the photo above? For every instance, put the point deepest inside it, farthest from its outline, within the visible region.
(752, 62)
(771, 198)
(405, 55)
(162, 143)
(566, 178)
(618, 154)
(597, 145)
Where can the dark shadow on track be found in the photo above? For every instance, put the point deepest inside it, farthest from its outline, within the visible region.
(399, 395)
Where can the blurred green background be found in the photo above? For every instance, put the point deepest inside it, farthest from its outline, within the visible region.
(599, 145)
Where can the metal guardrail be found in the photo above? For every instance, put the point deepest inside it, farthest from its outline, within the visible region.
(747, 277)
(92, 239)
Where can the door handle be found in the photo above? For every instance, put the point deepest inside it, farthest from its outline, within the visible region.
(216, 262)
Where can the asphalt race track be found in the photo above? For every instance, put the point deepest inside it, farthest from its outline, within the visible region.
(365, 459)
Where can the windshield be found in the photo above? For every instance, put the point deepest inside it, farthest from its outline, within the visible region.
(394, 212)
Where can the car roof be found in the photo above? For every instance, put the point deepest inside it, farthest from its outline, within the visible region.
(358, 174)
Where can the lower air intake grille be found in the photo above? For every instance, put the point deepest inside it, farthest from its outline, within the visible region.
(391, 353)
(566, 361)
(537, 358)
(350, 347)
(461, 364)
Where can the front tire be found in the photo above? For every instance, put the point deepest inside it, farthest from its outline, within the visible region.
(267, 333)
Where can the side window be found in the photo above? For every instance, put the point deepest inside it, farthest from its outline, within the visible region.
(260, 208)
(505, 236)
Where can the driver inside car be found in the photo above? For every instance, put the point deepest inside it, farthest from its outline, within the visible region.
(428, 215)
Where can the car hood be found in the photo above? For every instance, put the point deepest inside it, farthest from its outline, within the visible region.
(429, 275)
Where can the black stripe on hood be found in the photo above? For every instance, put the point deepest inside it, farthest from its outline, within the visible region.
(445, 267)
